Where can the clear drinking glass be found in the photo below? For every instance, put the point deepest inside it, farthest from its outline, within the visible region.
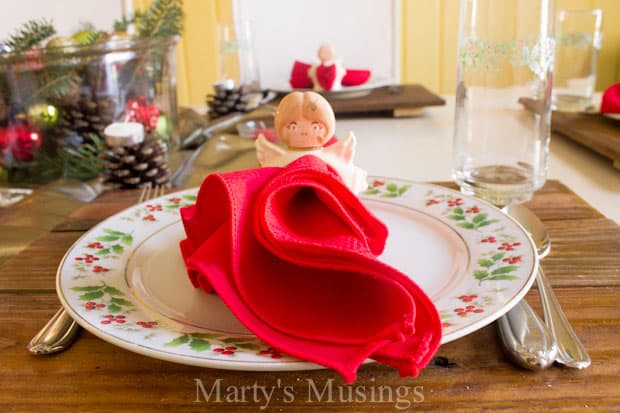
(503, 98)
(237, 59)
(578, 41)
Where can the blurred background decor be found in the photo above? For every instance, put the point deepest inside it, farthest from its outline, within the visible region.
(58, 93)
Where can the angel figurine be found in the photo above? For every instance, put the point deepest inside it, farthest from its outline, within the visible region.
(305, 122)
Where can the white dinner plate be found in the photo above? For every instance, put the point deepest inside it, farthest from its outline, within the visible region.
(125, 280)
(345, 92)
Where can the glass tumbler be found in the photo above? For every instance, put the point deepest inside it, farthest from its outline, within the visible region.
(503, 98)
(578, 42)
(237, 60)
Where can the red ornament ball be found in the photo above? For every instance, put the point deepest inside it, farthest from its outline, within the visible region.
(141, 111)
(21, 140)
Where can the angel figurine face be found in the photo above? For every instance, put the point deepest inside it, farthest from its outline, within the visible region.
(304, 120)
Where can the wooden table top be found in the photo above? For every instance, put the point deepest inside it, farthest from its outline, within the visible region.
(469, 374)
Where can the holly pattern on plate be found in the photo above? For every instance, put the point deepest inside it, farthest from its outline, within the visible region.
(204, 341)
(386, 190)
(111, 298)
(114, 242)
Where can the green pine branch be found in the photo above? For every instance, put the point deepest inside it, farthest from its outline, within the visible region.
(162, 18)
(56, 81)
(30, 35)
(83, 161)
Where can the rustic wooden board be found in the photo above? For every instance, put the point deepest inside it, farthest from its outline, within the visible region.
(472, 373)
(597, 132)
(397, 101)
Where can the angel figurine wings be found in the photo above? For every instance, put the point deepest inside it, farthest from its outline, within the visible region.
(305, 122)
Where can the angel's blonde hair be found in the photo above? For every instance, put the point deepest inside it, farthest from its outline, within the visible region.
(310, 105)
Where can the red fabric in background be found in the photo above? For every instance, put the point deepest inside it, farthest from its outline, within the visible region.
(299, 76)
(611, 99)
(355, 77)
(292, 253)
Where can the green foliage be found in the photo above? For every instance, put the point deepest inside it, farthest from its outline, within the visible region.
(162, 18)
(82, 161)
(29, 35)
(56, 81)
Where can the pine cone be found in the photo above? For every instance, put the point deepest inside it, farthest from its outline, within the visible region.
(138, 165)
(88, 113)
(229, 100)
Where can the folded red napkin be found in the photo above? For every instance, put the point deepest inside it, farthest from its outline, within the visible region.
(611, 99)
(355, 77)
(292, 252)
(299, 76)
(326, 75)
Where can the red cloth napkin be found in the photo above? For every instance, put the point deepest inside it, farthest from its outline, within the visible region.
(611, 99)
(292, 253)
(299, 76)
(355, 77)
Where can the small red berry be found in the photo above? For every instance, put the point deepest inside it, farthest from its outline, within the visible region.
(121, 321)
(478, 310)
(218, 350)
(100, 305)
(105, 321)
(230, 348)
(228, 353)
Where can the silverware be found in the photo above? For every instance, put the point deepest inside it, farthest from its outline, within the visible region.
(571, 352)
(60, 332)
(526, 339)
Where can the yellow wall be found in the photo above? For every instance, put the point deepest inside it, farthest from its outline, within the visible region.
(428, 43)
(432, 61)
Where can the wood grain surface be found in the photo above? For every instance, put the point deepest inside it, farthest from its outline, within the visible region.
(597, 132)
(397, 101)
(469, 374)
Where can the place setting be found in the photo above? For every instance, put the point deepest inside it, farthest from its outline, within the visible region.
(338, 237)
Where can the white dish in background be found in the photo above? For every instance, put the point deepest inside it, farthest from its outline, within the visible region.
(125, 280)
(346, 91)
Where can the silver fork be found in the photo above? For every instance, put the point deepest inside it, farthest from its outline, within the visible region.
(60, 332)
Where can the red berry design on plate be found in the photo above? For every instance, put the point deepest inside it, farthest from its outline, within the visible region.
(95, 244)
(468, 298)
(227, 351)
(147, 324)
(153, 208)
(507, 246)
(149, 217)
(473, 210)
(109, 318)
(512, 260)
(377, 183)
(99, 268)
(274, 353)
(175, 200)
(490, 240)
(431, 202)
(464, 312)
(455, 202)
(87, 258)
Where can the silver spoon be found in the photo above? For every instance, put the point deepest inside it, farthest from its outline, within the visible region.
(571, 352)
(526, 339)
